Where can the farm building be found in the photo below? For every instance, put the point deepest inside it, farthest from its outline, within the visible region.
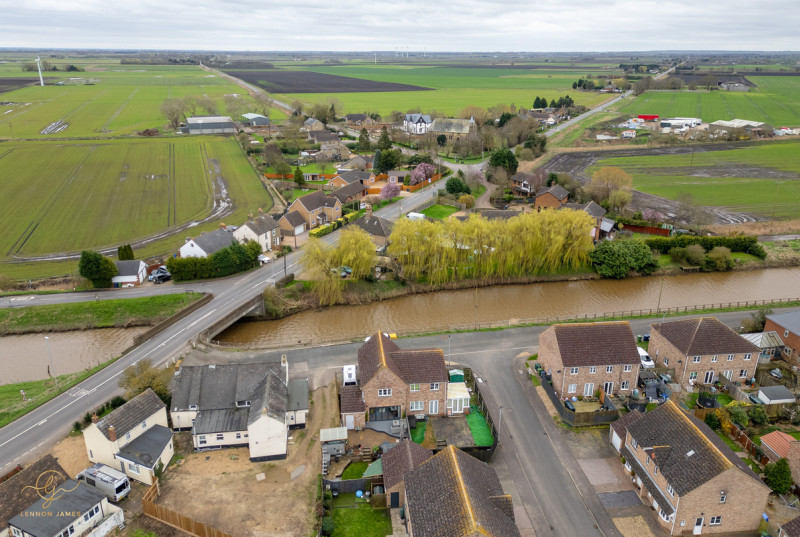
(680, 122)
(129, 273)
(207, 243)
(752, 127)
(256, 120)
(210, 125)
(648, 117)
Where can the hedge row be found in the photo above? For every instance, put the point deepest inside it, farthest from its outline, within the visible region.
(746, 244)
(321, 231)
(235, 258)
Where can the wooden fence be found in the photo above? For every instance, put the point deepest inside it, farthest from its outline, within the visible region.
(650, 230)
(174, 519)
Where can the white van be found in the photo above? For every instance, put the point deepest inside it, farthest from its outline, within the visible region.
(415, 216)
(647, 362)
(113, 483)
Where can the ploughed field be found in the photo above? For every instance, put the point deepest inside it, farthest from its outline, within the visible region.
(280, 81)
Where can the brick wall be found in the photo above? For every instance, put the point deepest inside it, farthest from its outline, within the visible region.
(665, 354)
(384, 378)
(791, 340)
(547, 201)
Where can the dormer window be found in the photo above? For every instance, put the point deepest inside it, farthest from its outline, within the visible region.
(241, 404)
(193, 407)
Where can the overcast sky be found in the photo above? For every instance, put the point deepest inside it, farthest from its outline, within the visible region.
(443, 25)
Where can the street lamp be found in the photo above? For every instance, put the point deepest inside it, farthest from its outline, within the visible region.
(50, 354)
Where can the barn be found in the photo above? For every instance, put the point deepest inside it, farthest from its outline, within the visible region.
(256, 120)
(210, 125)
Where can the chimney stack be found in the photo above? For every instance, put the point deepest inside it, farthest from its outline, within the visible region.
(112, 433)
(95, 419)
(368, 214)
(222, 225)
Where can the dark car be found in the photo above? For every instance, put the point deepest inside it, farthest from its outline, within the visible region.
(161, 278)
(569, 405)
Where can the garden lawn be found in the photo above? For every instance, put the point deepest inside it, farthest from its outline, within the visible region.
(418, 432)
(361, 521)
(439, 212)
(481, 434)
(355, 470)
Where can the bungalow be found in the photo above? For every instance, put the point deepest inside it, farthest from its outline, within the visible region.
(316, 209)
(552, 197)
(129, 272)
(379, 229)
(397, 462)
(453, 129)
(134, 438)
(349, 193)
(207, 243)
(690, 477)
(312, 124)
(18, 491)
(79, 510)
(455, 494)
(398, 176)
(358, 162)
(262, 229)
(583, 358)
(787, 325)
(352, 176)
(233, 405)
(320, 136)
(256, 120)
(416, 123)
(358, 120)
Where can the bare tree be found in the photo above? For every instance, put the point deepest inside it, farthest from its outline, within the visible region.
(173, 110)
(208, 104)
(263, 103)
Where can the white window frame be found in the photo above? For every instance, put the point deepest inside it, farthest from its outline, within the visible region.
(416, 406)
(693, 375)
(144, 424)
(609, 369)
(220, 437)
(17, 533)
(573, 370)
(748, 356)
(384, 392)
(730, 357)
(193, 407)
(666, 360)
(715, 520)
(572, 388)
(664, 516)
(627, 369)
(413, 387)
(723, 498)
(127, 436)
(238, 436)
(434, 386)
(743, 373)
(592, 369)
(634, 444)
(670, 490)
(201, 440)
(785, 333)
(133, 468)
(714, 359)
(626, 385)
(696, 359)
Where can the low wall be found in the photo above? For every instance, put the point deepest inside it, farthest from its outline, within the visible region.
(166, 323)
(207, 334)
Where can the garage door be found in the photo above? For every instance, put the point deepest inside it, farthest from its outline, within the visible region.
(348, 421)
(298, 230)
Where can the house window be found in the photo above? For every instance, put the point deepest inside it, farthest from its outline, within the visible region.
(646, 460)
(414, 387)
(238, 436)
(625, 385)
(144, 424)
(572, 388)
(434, 386)
(202, 440)
(655, 470)
(696, 359)
(384, 392)
(634, 443)
(787, 350)
(748, 356)
(714, 358)
(592, 369)
(416, 406)
(127, 436)
(730, 357)
(573, 370)
(785, 333)
(193, 407)
(743, 373)
(96, 509)
(220, 436)
(664, 515)
(722, 498)
(715, 521)
(133, 467)
(17, 533)
(627, 368)
(693, 375)
(609, 369)
(666, 361)
(670, 490)
(86, 516)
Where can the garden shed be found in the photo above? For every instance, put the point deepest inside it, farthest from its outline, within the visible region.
(333, 440)
(775, 395)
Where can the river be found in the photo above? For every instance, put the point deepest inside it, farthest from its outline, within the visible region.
(27, 357)
(462, 309)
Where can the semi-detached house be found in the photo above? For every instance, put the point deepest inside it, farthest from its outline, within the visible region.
(787, 325)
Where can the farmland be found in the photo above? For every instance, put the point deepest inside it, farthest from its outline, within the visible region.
(774, 102)
(88, 194)
(279, 81)
(762, 179)
(453, 88)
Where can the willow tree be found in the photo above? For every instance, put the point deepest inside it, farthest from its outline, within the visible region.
(355, 250)
(319, 262)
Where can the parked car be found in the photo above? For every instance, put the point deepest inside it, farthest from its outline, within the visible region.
(647, 362)
(161, 278)
(569, 405)
(776, 373)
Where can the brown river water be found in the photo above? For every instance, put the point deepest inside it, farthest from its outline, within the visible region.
(25, 357)
(516, 303)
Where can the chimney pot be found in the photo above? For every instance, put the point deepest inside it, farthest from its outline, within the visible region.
(95, 419)
(112, 433)
(222, 225)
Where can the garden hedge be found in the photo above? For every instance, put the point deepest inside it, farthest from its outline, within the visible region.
(746, 244)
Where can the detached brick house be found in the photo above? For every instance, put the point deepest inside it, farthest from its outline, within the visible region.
(585, 357)
(394, 382)
(702, 350)
(316, 209)
(787, 325)
(693, 481)
(551, 198)
(525, 184)
(352, 176)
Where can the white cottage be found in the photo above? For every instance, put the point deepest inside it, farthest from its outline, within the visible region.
(263, 229)
(207, 243)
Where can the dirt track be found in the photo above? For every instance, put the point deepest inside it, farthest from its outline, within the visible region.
(576, 163)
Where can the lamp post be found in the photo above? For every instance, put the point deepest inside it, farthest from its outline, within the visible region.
(50, 354)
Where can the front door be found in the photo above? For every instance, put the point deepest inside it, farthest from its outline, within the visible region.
(709, 378)
(433, 407)
(588, 389)
(608, 387)
(698, 526)
(394, 500)
(349, 422)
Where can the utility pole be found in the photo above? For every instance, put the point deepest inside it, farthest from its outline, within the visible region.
(52, 367)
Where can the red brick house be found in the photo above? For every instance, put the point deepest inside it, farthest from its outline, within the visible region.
(551, 198)
(394, 382)
(315, 209)
(702, 350)
(352, 176)
(693, 481)
(586, 357)
(787, 325)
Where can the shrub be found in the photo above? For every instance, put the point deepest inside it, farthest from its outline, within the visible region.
(328, 526)
(468, 200)
(758, 415)
(744, 243)
(678, 254)
(739, 416)
(712, 420)
(778, 476)
(695, 254)
(719, 258)
(614, 259)
(455, 185)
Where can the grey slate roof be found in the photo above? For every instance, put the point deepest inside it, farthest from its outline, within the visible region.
(228, 420)
(791, 528)
(591, 208)
(355, 117)
(596, 344)
(131, 414)
(556, 190)
(347, 192)
(298, 395)
(261, 224)
(350, 400)
(777, 392)
(418, 118)
(148, 447)
(703, 335)
(315, 200)
(270, 398)
(79, 498)
(403, 458)
(788, 321)
(323, 136)
(310, 121)
(127, 267)
(688, 453)
(375, 225)
(14, 497)
(450, 125)
(455, 495)
(218, 386)
(214, 241)
(354, 176)
(294, 218)
(621, 424)
(398, 173)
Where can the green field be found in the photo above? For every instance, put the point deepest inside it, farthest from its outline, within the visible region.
(774, 102)
(763, 179)
(454, 88)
